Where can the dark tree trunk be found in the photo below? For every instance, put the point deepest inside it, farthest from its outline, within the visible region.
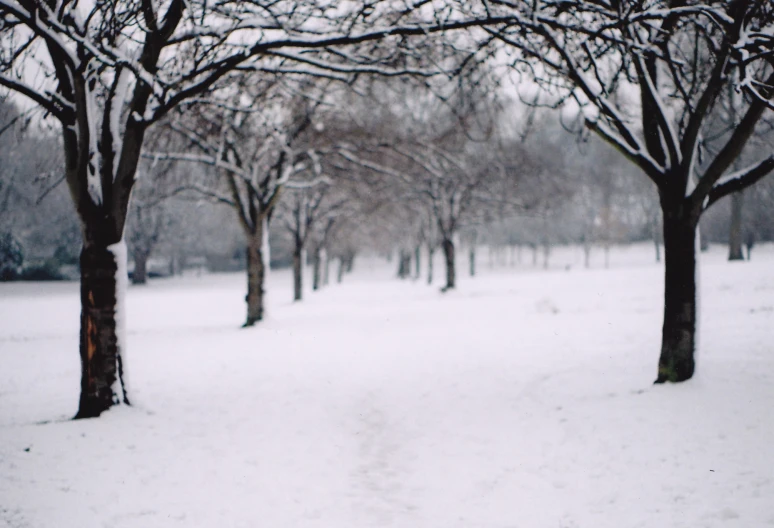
(430, 255)
(750, 242)
(417, 262)
(297, 274)
(140, 274)
(735, 229)
(676, 362)
(448, 255)
(102, 372)
(472, 260)
(327, 269)
(256, 275)
(350, 262)
(404, 264)
(316, 265)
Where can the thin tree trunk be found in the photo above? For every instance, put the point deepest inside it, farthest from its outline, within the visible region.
(256, 275)
(350, 262)
(297, 276)
(546, 254)
(327, 269)
(140, 274)
(417, 262)
(316, 265)
(735, 229)
(472, 260)
(103, 284)
(586, 254)
(676, 362)
(448, 254)
(656, 236)
(430, 256)
(341, 270)
(404, 264)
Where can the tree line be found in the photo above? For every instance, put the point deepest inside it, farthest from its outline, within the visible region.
(303, 109)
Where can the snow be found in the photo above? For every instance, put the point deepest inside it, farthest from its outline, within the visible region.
(120, 255)
(524, 399)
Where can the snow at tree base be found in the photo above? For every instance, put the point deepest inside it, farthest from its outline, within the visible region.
(525, 398)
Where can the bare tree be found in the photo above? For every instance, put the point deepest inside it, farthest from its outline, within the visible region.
(678, 59)
(106, 71)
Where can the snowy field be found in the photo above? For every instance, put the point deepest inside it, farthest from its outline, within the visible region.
(522, 400)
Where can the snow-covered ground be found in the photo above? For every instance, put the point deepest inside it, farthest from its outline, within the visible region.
(522, 400)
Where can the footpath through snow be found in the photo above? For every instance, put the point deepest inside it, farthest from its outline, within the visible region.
(522, 400)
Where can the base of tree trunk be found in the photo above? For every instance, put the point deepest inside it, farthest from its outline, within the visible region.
(676, 362)
(102, 380)
(451, 274)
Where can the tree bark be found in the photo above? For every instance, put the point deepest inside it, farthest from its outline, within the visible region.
(676, 362)
(448, 254)
(256, 275)
(102, 370)
(327, 269)
(316, 265)
(404, 264)
(735, 251)
(140, 274)
(297, 275)
(417, 262)
(472, 260)
(430, 255)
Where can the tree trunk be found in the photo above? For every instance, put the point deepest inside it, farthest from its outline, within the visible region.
(327, 269)
(340, 274)
(676, 362)
(656, 236)
(546, 254)
(297, 278)
(350, 262)
(103, 284)
(472, 260)
(316, 265)
(448, 254)
(417, 262)
(140, 274)
(256, 275)
(404, 264)
(735, 229)
(586, 254)
(430, 255)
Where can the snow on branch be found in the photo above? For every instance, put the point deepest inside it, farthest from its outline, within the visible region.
(736, 181)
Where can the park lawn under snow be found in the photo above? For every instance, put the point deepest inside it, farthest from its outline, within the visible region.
(524, 399)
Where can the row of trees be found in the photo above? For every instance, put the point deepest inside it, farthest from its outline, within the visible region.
(681, 89)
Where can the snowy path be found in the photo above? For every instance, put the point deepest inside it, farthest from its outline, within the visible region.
(523, 400)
